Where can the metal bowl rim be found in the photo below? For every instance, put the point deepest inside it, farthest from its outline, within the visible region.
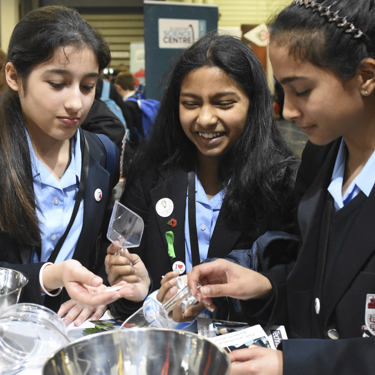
(23, 279)
(143, 329)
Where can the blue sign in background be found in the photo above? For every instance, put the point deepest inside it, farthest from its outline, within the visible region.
(158, 59)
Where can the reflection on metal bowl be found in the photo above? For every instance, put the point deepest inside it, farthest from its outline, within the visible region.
(11, 284)
(140, 351)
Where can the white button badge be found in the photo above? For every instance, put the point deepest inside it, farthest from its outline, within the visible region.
(164, 207)
(179, 266)
(98, 195)
(317, 306)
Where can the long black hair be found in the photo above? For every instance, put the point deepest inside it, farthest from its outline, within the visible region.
(336, 35)
(34, 40)
(259, 167)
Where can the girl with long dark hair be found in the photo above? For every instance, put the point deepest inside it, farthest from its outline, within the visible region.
(214, 142)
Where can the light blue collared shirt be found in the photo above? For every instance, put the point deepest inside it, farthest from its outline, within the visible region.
(55, 200)
(207, 212)
(364, 181)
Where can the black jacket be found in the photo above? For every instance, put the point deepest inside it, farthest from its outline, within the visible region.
(101, 120)
(141, 196)
(342, 295)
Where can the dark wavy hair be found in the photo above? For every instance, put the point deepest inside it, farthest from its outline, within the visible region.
(34, 40)
(259, 167)
(311, 36)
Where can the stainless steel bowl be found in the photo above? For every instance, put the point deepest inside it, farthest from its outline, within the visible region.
(11, 284)
(140, 351)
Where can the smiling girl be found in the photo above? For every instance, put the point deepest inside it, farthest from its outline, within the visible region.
(216, 173)
(54, 184)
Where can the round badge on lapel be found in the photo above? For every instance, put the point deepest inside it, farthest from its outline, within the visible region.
(98, 195)
(179, 266)
(317, 305)
(164, 207)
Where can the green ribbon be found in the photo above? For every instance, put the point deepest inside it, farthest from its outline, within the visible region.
(169, 237)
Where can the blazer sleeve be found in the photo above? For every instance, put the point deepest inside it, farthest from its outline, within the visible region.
(16, 257)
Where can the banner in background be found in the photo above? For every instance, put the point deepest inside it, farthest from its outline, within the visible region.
(170, 28)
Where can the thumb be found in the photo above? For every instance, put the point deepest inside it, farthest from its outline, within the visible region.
(134, 258)
(113, 249)
(214, 290)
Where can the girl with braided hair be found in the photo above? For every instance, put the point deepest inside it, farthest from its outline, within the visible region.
(323, 55)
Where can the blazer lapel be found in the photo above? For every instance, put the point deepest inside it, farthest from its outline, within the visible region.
(310, 217)
(173, 185)
(361, 245)
(223, 239)
(93, 209)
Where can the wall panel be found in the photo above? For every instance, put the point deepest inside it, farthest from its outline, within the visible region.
(119, 30)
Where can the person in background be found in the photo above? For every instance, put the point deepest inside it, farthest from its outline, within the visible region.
(54, 182)
(323, 55)
(120, 68)
(139, 112)
(125, 84)
(215, 174)
(101, 120)
(113, 94)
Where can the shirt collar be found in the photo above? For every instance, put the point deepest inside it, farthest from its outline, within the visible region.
(364, 181)
(72, 174)
(201, 197)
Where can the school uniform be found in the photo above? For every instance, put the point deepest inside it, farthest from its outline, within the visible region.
(89, 249)
(323, 300)
(160, 199)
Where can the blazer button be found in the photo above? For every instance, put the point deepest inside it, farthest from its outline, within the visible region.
(333, 334)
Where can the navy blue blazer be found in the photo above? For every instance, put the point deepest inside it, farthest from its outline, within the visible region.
(311, 349)
(141, 196)
(91, 246)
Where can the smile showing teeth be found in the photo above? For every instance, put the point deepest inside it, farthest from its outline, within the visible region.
(210, 135)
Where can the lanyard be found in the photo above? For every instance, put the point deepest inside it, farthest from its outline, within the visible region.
(192, 219)
(82, 184)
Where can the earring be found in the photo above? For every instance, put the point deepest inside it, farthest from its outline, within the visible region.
(364, 92)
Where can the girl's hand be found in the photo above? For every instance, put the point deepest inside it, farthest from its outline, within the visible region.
(168, 289)
(118, 267)
(168, 286)
(82, 285)
(122, 266)
(73, 312)
(256, 360)
(222, 278)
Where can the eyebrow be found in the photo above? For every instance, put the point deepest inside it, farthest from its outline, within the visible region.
(65, 72)
(218, 95)
(291, 79)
